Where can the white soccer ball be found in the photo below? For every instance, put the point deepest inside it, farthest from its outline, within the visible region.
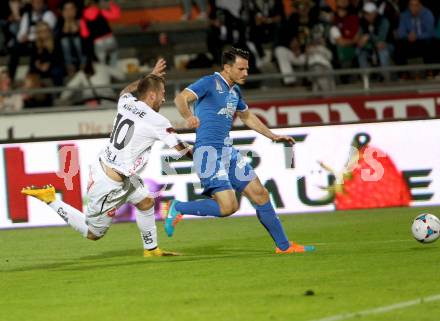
(426, 228)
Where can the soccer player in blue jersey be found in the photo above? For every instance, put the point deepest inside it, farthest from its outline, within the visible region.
(220, 167)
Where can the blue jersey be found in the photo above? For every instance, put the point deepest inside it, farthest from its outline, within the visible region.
(215, 107)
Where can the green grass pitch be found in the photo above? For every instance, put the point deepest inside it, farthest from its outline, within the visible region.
(228, 271)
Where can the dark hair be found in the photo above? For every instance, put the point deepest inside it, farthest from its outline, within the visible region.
(149, 82)
(229, 56)
(63, 4)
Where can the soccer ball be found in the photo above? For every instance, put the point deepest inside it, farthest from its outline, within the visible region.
(426, 228)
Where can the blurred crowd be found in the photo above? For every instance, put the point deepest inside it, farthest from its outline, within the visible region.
(70, 42)
(321, 35)
(69, 39)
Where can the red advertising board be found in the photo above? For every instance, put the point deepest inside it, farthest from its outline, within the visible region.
(348, 109)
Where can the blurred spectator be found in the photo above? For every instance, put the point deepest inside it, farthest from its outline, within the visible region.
(8, 102)
(47, 57)
(268, 17)
(296, 36)
(16, 7)
(6, 16)
(416, 32)
(67, 32)
(300, 23)
(373, 49)
(391, 11)
(229, 26)
(344, 33)
(94, 27)
(187, 8)
(288, 58)
(33, 100)
(26, 34)
(93, 75)
(319, 59)
(226, 27)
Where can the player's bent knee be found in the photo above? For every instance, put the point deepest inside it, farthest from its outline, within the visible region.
(145, 204)
(92, 236)
(228, 209)
(261, 196)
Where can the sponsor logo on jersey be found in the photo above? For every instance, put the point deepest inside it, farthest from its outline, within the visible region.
(231, 105)
(227, 111)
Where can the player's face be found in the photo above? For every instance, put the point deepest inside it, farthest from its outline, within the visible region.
(238, 72)
(159, 98)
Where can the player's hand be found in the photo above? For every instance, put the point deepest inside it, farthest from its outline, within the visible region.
(192, 122)
(285, 139)
(159, 67)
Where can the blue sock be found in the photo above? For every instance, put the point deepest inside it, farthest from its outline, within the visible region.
(267, 216)
(207, 207)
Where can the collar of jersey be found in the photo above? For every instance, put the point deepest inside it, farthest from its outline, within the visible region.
(224, 80)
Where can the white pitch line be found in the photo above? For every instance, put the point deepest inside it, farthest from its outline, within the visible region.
(388, 308)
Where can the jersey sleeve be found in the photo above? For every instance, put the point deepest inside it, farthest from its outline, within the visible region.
(200, 87)
(241, 105)
(165, 132)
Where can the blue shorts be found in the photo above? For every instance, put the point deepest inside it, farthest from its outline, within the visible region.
(221, 169)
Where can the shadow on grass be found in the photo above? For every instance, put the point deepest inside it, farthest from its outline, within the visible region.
(36, 267)
(134, 257)
(192, 254)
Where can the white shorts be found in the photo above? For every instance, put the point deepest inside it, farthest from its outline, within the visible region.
(106, 195)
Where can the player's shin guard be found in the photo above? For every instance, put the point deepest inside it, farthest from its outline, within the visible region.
(147, 225)
(207, 207)
(71, 215)
(267, 216)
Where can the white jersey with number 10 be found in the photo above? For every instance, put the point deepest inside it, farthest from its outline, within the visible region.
(137, 126)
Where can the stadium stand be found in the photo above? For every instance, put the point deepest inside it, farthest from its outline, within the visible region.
(148, 29)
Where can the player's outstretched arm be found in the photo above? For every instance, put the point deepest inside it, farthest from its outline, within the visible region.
(253, 122)
(182, 102)
(184, 149)
(158, 70)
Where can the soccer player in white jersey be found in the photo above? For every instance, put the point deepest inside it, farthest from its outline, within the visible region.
(113, 176)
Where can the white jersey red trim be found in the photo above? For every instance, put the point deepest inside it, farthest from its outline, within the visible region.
(136, 127)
